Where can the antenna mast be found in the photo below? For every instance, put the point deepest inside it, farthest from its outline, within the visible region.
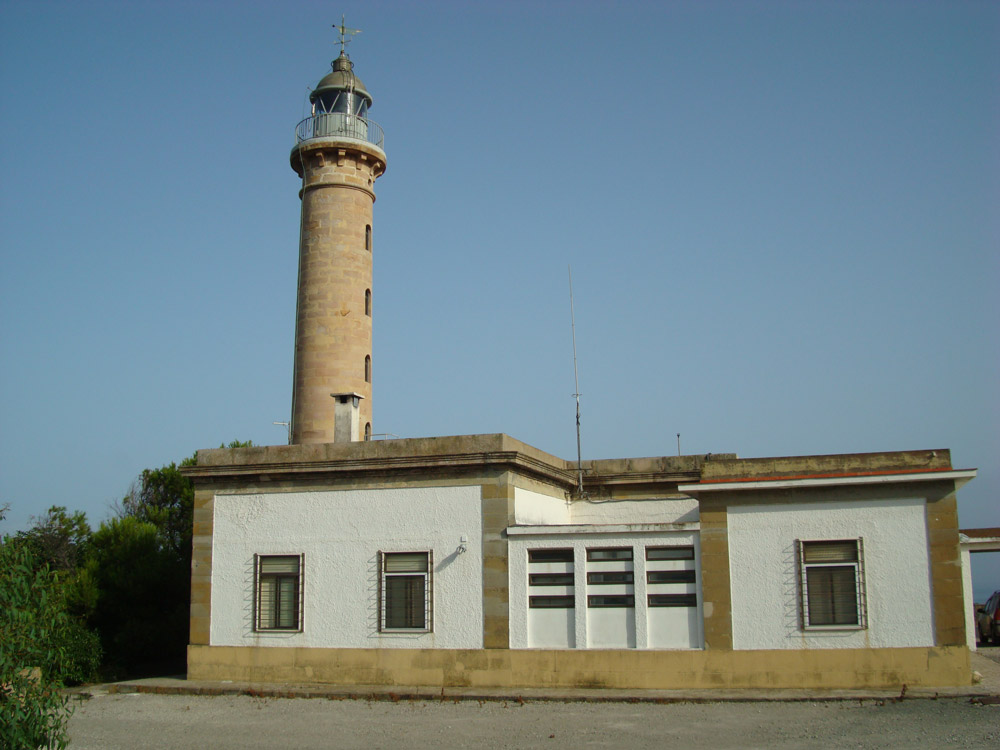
(576, 383)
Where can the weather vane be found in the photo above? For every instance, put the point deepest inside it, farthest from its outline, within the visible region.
(345, 34)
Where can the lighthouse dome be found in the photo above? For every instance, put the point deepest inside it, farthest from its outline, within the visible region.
(341, 90)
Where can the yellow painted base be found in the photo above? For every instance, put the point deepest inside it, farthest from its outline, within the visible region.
(664, 670)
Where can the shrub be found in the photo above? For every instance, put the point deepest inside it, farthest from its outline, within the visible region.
(33, 624)
(81, 654)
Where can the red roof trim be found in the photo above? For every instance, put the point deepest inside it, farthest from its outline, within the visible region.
(835, 475)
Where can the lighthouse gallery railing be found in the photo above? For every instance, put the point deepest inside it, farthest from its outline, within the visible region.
(339, 124)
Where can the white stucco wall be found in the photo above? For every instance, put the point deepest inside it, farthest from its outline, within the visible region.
(678, 509)
(765, 579)
(535, 509)
(597, 628)
(340, 534)
(970, 607)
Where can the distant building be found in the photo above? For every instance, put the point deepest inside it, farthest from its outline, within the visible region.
(479, 560)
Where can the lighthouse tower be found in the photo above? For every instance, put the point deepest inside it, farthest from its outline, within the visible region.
(338, 155)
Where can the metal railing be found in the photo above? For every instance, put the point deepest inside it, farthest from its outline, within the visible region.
(339, 125)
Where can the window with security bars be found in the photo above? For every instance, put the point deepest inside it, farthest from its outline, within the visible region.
(278, 592)
(833, 584)
(405, 583)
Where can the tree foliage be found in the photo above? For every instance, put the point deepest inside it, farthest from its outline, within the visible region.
(33, 631)
(141, 565)
(141, 610)
(164, 498)
(130, 581)
(59, 538)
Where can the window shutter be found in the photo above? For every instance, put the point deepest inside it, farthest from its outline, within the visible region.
(803, 585)
(413, 562)
(429, 623)
(256, 592)
(832, 552)
(302, 591)
(381, 592)
(287, 565)
(862, 592)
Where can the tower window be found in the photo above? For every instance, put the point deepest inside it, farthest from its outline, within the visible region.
(368, 368)
(368, 430)
(368, 302)
(368, 237)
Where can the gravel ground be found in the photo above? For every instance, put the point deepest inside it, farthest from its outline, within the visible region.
(107, 722)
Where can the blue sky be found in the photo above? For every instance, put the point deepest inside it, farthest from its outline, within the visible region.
(781, 218)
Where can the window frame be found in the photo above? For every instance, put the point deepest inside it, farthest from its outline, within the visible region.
(550, 555)
(299, 593)
(611, 601)
(610, 554)
(552, 601)
(860, 593)
(383, 593)
(665, 600)
(661, 553)
(551, 579)
(610, 578)
(667, 577)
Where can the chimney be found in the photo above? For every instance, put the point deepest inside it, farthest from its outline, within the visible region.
(347, 417)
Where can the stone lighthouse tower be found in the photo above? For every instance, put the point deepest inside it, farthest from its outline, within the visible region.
(338, 155)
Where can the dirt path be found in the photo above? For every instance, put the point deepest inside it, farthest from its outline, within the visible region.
(107, 722)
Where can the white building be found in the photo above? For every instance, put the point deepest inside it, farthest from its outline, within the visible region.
(474, 561)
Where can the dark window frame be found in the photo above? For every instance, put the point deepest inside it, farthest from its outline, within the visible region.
(625, 578)
(594, 554)
(560, 579)
(267, 614)
(565, 601)
(550, 555)
(680, 552)
(611, 601)
(832, 584)
(672, 600)
(388, 588)
(671, 576)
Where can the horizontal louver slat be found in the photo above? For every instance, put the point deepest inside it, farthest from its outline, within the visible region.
(406, 562)
(288, 564)
(830, 552)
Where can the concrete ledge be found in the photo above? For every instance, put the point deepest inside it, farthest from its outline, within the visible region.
(986, 692)
(895, 670)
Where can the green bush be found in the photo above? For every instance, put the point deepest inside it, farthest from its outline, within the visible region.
(33, 624)
(32, 714)
(81, 654)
